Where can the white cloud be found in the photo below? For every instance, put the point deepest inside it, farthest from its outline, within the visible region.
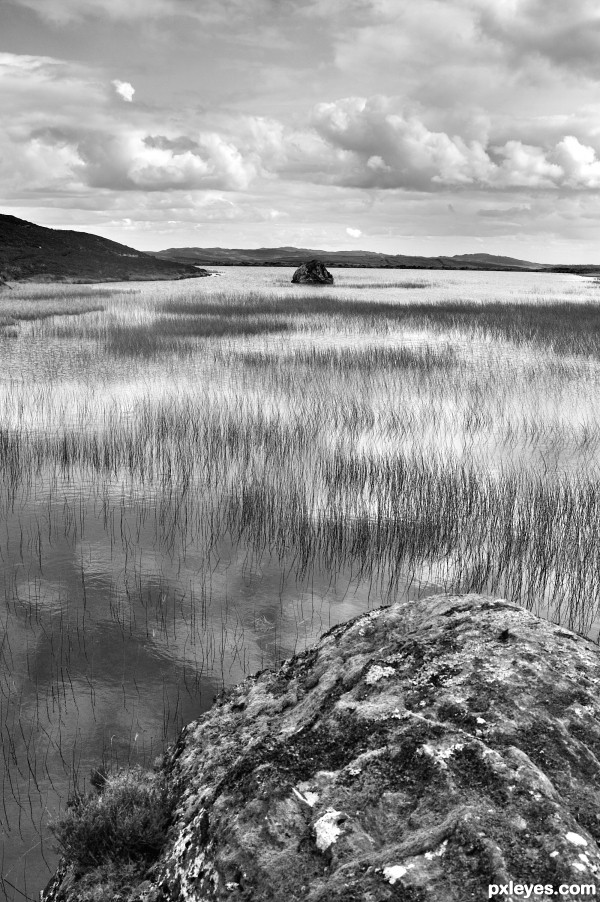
(354, 233)
(578, 163)
(386, 148)
(133, 160)
(64, 131)
(124, 89)
(392, 150)
(526, 166)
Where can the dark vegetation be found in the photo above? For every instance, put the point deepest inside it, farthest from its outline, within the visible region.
(114, 834)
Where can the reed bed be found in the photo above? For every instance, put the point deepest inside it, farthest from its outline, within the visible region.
(388, 283)
(566, 327)
(210, 479)
(23, 311)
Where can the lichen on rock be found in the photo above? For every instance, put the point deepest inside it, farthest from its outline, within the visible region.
(420, 755)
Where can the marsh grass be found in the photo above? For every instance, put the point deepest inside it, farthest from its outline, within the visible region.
(407, 284)
(110, 837)
(28, 303)
(171, 333)
(567, 327)
(62, 293)
(427, 357)
(345, 282)
(225, 475)
(11, 314)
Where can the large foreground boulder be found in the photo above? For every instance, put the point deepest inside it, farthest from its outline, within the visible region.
(422, 753)
(312, 273)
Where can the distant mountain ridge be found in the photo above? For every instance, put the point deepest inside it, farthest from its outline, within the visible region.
(497, 261)
(294, 256)
(35, 253)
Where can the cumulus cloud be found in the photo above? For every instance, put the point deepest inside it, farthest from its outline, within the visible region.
(578, 163)
(132, 160)
(63, 131)
(468, 67)
(389, 149)
(354, 233)
(124, 89)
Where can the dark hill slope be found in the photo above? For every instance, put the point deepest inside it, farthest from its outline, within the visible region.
(35, 253)
(481, 260)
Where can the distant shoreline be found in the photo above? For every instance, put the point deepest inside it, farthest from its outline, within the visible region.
(284, 265)
(572, 270)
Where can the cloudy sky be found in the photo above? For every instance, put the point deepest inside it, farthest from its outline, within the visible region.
(430, 127)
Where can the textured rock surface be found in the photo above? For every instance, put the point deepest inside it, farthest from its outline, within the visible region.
(417, 753)
(313, 273)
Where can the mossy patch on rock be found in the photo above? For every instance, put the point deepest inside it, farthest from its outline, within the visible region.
(417, 753)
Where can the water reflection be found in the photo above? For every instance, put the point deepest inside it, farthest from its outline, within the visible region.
(112, 644)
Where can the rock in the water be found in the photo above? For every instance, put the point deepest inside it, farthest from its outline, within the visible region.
(420, 752)
(312, 273)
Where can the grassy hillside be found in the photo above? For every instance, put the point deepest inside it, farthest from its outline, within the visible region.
(32, 252)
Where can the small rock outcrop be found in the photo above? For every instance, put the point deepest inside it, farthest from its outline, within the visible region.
(313, 272)
(421, 752)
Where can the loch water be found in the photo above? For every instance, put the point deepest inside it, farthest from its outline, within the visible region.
(133, 589)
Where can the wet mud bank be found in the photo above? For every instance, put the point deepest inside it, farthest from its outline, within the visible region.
(419, 752)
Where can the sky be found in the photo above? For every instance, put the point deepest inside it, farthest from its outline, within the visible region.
(401, 126)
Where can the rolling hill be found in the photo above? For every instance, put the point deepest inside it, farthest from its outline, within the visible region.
(294, 256)
(30, 252)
